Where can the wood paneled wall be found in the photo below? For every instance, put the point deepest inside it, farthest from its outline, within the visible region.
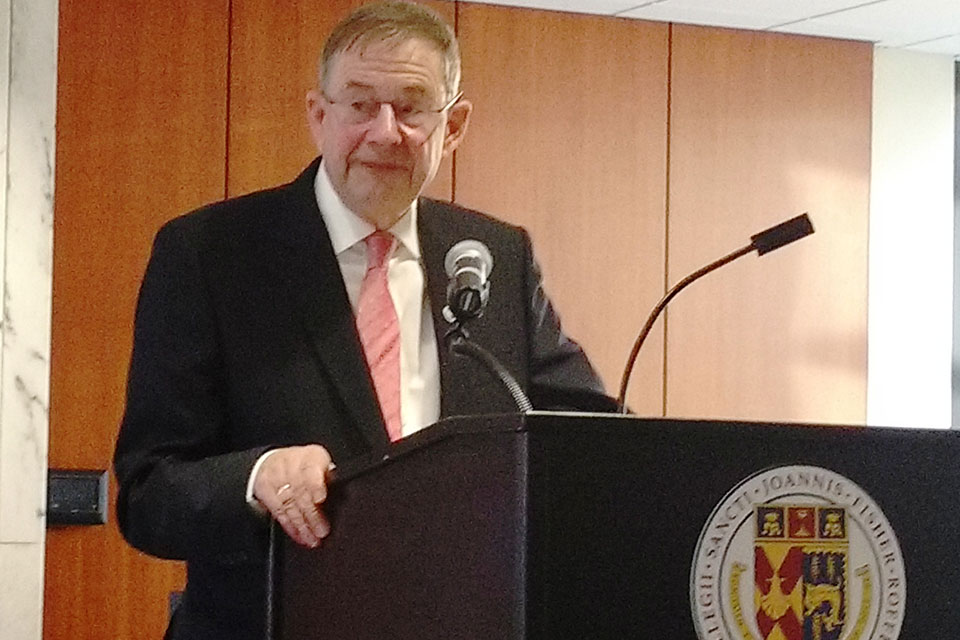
(764, 127)
(634, 152)
(569, 139)
(140, 136)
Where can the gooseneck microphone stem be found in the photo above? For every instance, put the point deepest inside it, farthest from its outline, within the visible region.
(657, 310)
(459, 343)
(763, 243)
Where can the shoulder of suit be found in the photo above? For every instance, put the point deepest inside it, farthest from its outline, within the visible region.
(463, 217)
(254, 211)
(257, 208)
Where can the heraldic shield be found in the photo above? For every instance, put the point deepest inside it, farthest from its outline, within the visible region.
(800, 571)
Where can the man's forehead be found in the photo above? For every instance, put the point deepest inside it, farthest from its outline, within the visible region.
(363, 88)
(364, 61)
(394, 42)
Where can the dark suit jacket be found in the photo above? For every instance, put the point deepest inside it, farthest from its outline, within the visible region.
(245, 340)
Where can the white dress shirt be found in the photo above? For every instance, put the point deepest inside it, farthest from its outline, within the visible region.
(419, 361)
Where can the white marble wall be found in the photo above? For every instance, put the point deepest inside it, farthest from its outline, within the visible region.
(28, 79)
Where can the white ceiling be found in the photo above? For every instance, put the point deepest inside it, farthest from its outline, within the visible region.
(932, 26)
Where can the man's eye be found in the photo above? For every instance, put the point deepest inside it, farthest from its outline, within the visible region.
(365, 108)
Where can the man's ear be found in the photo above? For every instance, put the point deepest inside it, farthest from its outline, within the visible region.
(316, 112)
(457, 120)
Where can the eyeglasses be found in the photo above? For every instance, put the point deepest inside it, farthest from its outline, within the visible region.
(414, 117)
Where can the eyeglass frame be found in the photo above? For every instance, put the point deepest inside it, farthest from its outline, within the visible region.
(379, 104)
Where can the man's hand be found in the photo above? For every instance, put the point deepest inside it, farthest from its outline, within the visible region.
(292, 484)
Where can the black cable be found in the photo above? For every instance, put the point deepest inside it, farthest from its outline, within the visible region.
(459, 343)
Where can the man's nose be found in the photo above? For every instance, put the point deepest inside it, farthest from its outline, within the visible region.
(385, 128)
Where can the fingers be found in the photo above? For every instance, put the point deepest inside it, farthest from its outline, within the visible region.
(291, 484)
(314, 476)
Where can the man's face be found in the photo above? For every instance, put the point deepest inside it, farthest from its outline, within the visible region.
(377, 160)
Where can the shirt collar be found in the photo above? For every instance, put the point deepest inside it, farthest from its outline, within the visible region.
(347, 228)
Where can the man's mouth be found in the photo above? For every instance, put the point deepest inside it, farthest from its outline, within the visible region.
(383, 165)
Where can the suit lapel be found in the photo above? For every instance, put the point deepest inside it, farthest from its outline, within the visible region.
(308, 269)
(436, 238)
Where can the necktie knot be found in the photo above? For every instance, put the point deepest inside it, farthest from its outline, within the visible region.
(379, 245)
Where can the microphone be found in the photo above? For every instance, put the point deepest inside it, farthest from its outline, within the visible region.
(468, 265)
(763, 243)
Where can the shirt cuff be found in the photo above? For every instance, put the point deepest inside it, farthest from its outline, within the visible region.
(251, 500)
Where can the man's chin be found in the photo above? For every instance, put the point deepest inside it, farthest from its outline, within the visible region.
(383, 207)
(386, 184)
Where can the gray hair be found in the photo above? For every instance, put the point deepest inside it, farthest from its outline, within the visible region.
(398, 21)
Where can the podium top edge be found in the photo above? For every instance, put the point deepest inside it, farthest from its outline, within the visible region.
(543, 422)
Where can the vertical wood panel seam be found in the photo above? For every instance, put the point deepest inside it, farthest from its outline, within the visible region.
(227, 91)
(453, 160)
(666, 208)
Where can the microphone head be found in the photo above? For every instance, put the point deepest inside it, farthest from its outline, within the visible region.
(468, 265)
(782, 234)
(472, 251)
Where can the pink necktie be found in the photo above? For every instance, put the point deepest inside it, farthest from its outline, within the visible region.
(379, 330)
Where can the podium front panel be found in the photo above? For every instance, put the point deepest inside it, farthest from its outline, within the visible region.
(616, 511)
(430, 545)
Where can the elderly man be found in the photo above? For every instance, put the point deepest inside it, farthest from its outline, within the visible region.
(283, 330)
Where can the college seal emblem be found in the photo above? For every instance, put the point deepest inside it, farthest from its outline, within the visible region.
(797, 553)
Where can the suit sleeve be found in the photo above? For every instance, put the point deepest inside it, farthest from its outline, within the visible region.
(561, 376)
(181, 490)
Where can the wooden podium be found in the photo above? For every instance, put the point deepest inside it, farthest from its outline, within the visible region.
(555, 526)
